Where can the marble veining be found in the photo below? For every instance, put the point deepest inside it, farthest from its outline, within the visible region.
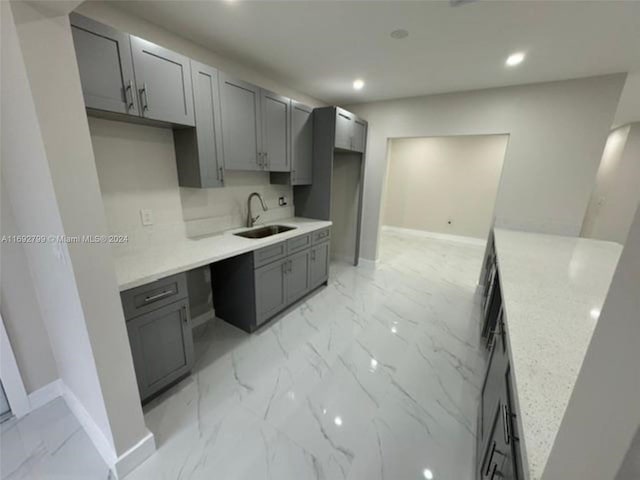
(553, 289)
(376, 376)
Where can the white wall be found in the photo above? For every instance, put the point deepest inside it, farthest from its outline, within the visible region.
(444, 184)
(20, 309)
(602, 416)
(557, 135)
(86, 327)
(617, 191)
(136, 168)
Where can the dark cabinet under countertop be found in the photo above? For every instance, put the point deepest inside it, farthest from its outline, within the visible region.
(251, 288)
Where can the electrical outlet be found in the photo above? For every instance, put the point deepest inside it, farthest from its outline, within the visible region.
(146, 215)
(282, 201)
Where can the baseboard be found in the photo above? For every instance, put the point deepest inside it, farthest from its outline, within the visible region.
(366, 263)
(45, 394)
(119, 465)
(133, 457)
(436, 235)
(202, 319)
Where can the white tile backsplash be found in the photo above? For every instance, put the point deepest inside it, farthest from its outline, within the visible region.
(137, 169)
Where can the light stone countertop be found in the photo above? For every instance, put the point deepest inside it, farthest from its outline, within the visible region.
(178, 255)
(553, 289)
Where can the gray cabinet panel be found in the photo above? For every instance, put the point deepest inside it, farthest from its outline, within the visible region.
(301, 144)
(319, 265)
(297, 275)
(275, 131)
(163, 78)
(105, 65)
(359, 138)
(344, 129)
(162, 346)
(269, 254)
(298, 243)
(241, 124)
(270, 290)
(199, 150)
(152, 296)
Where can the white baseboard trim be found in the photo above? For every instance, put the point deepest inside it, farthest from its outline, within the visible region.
(45, 394)
(202, 319)
(133, 457)
(119, 465)
(436, 235)
(366, 263)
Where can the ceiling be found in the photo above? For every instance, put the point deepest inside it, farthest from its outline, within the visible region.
(320, 47)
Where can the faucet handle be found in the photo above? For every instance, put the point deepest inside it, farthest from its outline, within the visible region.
(255, 219)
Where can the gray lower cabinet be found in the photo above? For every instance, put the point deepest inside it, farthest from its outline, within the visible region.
(252, 288)
(199, 150)
(270, 290)
(163, 78)
(241, 124)
(297, 275)
(159, 328)
(162, 347)
(319, 265)
(275, 131)
(105, 65)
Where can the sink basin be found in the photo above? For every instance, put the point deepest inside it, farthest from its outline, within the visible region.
(263, 232)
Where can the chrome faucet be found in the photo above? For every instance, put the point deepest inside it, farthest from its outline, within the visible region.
(250, 219)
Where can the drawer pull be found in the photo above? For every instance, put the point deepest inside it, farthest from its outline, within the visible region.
(493, 450)
(158, 296)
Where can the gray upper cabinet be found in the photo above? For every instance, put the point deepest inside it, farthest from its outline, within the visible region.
(301, 144)
(344, 129)
(275, 131)
(241, 124)
(105, 65)
(162, 346)
(351, 132)
(199, 150)
(359, 137)
(163, 78)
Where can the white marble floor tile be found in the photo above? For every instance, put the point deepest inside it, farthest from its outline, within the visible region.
(376, 376)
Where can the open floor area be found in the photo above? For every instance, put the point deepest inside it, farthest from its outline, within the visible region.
(376, 376)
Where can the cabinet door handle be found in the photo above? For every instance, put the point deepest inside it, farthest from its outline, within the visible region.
(284, 268)
(493, 450)
(185, 318)
(258, 158)
(313, 255)
(266, 160)
(495, 472)
(158, 296)
(129, 89)
(505, 424)
(221, 174)
(145, 90)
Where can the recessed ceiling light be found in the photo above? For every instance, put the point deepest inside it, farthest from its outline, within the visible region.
(358, 84)
(428, 474)
(515, 59)
(399, 34)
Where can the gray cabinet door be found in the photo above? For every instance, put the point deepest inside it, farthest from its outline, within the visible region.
(199, 150)
(359, 138)
(344, 129)
(319, 267)
(270, 290)
(105, 65)
(162, 346)
(297, 275)
(241, 124)
(163, 79)
(276, 131)
(301, 144)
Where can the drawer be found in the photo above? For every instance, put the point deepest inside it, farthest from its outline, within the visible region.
(269, 254)
(321, 235)
(298, 243)
(152, 296)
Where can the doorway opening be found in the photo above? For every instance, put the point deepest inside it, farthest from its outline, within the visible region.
(443, 187)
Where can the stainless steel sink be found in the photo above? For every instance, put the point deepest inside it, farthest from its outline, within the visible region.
(263, 232)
